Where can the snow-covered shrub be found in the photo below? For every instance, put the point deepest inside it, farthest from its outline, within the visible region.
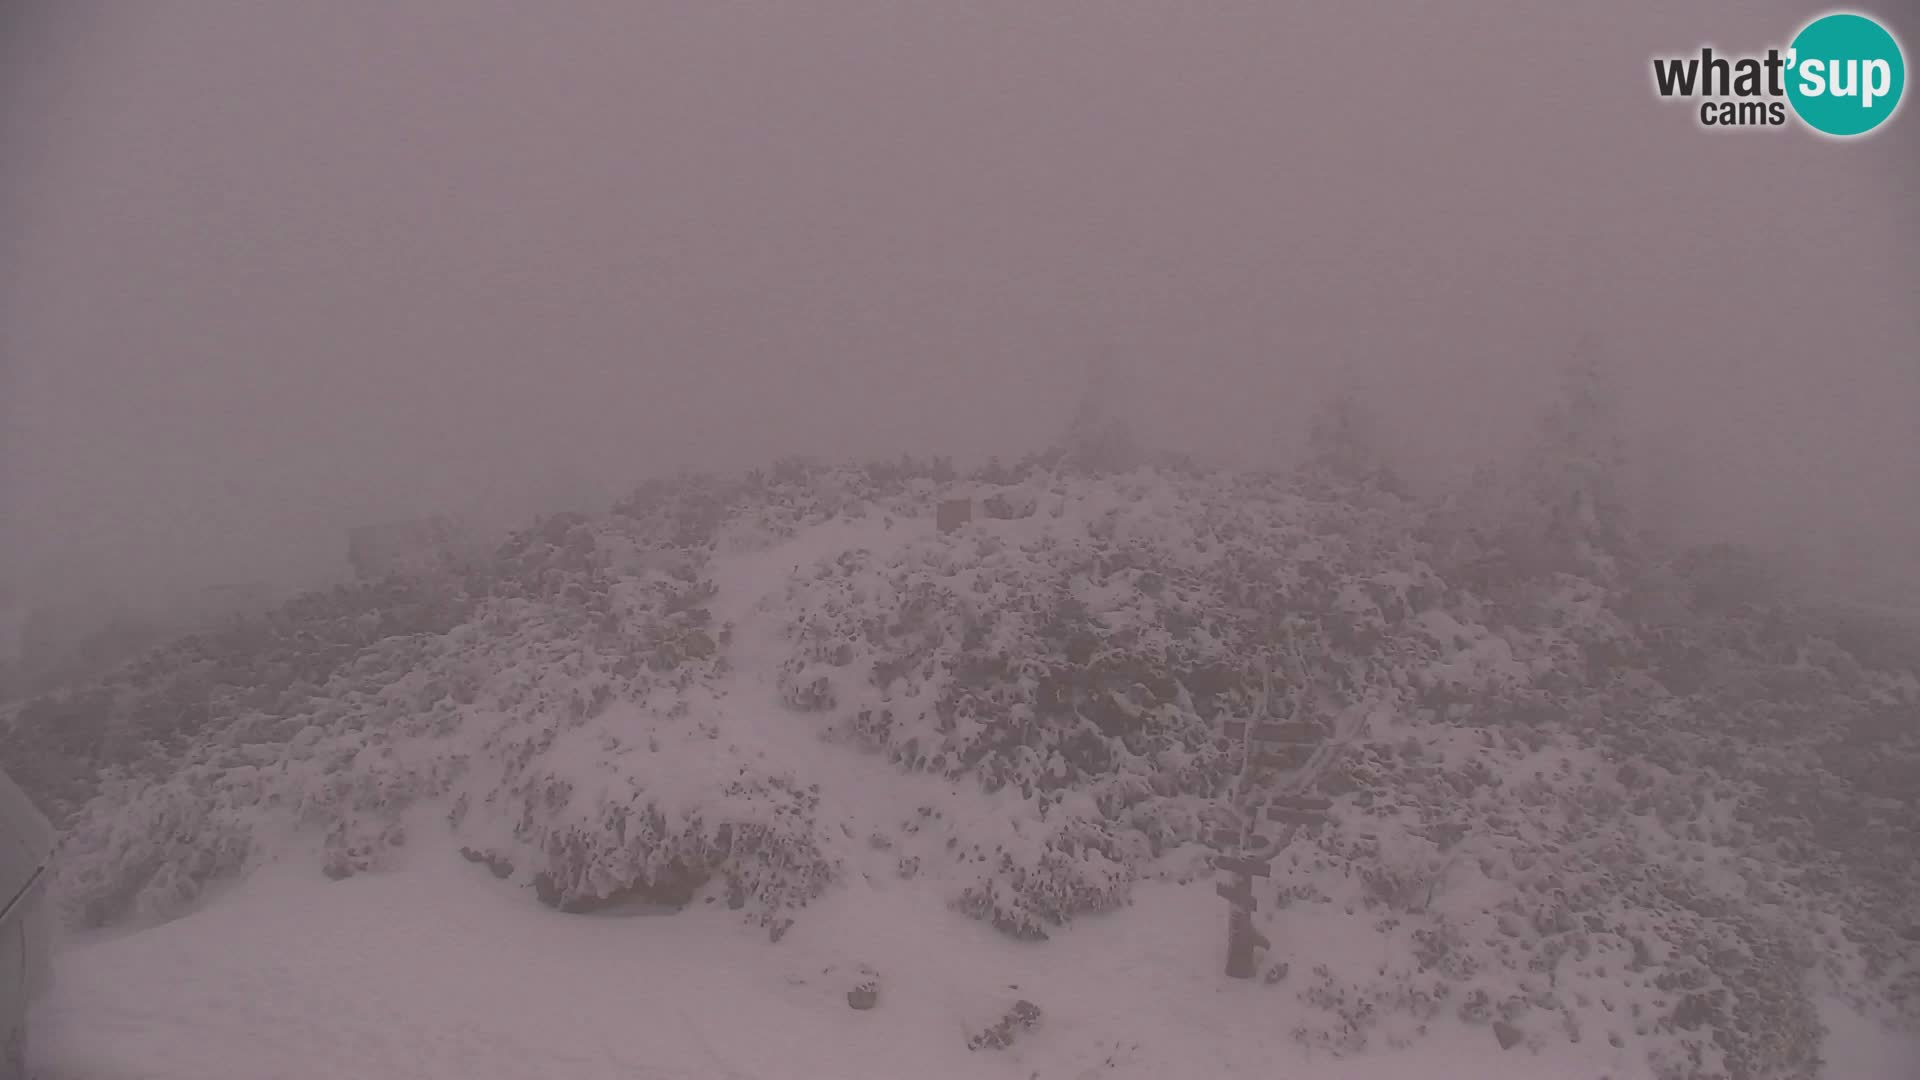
(1079, 869)
(151, 859)
(755, 841)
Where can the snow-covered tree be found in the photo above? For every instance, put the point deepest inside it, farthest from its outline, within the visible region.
(1346, 443)
(1580, 458)
(1562, 505)
(1100, 438)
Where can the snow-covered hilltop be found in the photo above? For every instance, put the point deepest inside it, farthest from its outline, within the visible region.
(1601, 793)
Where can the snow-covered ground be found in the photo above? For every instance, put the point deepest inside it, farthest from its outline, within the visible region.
(422, 964)
(436, 970)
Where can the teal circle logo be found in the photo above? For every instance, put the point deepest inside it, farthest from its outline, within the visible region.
(1845, 74)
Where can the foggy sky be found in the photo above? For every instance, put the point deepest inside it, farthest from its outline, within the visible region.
(271, 270)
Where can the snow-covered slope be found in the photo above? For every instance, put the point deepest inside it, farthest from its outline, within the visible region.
(437, 971)
(1590, 822)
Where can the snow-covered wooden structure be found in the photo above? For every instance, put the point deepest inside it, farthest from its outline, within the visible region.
(1282, 760)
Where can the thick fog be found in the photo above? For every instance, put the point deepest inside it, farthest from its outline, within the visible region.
(273, 270)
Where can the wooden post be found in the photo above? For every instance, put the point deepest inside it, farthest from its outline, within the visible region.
(1240, 938)
(1238, 893)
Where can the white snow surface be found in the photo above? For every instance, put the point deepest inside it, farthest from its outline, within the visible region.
(436, 970)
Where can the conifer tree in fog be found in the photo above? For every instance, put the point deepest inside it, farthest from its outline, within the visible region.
(1563, 505)
(1346, 442)
(1100, 437)
(1580, 456)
